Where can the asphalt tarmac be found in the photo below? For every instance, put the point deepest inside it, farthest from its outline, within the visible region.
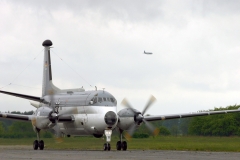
(25, 152)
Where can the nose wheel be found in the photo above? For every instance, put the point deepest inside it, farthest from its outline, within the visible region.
(106, 147)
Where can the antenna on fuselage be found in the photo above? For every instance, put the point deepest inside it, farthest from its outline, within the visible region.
(103, 89)
(96, 88)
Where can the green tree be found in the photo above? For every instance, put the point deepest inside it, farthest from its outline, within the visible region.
(20, 130)
(164, 131)
(2, 129)
(216, 125)
(174, 130)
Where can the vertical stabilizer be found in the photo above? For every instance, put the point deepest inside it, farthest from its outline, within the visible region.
(47, 86)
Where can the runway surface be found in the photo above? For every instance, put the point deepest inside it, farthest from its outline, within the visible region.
(26, 152)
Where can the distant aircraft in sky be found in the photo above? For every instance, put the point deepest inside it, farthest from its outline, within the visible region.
(147, 52)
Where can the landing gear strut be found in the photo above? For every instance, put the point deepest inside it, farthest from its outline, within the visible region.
(121, 144)
(37, 143)
(107, 146)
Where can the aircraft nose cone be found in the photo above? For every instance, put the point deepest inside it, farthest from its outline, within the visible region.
(47, 43)
(110, 118)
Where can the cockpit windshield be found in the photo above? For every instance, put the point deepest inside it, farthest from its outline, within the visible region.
(101, 99)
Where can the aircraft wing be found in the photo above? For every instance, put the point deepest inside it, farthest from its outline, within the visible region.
(16, 116)
(185, 115)
(33, 98)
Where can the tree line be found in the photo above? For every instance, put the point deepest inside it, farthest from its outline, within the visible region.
(213, 125)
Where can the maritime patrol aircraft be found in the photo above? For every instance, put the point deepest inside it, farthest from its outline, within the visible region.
(77, 112)
(147, 52)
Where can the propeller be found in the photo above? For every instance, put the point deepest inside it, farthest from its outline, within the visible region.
(58, 134)
(139, 118)
(54, 116)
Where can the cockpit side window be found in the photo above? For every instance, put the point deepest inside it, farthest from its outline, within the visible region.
(104, 99)
(99, 99)
(112, 100)
(95, 100)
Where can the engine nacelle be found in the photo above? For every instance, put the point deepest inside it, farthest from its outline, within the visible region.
(126, 118)
(41, 118)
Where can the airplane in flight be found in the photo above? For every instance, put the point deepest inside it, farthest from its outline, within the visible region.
(77, 112)
(147, 52)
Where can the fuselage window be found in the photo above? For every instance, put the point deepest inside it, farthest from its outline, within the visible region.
(99, 99)
(104, 99)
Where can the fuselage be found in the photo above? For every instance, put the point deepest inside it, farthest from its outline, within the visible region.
(92, 111)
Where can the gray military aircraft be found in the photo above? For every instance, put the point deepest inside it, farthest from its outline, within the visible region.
(76, 112)
(147, 52)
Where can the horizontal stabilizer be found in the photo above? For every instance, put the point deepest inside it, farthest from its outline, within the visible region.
(33, 98)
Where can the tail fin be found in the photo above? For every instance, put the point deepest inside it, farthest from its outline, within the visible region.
(48, 87)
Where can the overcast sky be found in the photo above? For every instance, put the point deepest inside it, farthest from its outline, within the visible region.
(196, 53)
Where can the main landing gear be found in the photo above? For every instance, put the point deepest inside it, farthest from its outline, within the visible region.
(121, 145)
(37, 143)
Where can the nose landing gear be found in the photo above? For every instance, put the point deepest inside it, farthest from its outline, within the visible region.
(108, 134)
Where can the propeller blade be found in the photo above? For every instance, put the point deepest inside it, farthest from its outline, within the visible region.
(150, 102)
(58, 134)
(154, 130)
(127, 104)
(128, 135)
(59, 138)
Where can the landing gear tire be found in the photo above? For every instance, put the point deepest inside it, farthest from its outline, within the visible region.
(124, 145)
(119, 145)
(35, 145)
(41, 145)
(106, 147)
(109, 147)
